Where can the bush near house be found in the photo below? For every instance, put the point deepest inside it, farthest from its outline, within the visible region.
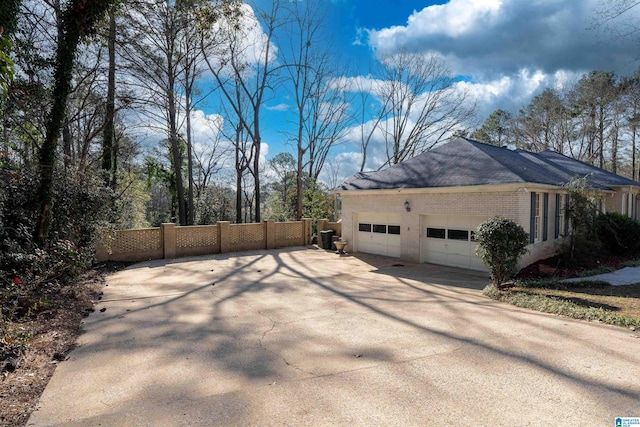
(501, 242)
(618, 233)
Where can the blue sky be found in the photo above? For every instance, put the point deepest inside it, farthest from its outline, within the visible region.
(508, 50)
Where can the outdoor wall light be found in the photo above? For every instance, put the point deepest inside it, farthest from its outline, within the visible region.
(407, 206)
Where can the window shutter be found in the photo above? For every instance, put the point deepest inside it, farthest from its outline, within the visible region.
(557, 222)
(566, 214)
(532, 222)
(545, 220)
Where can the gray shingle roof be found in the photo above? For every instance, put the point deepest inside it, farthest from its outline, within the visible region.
(464, 162)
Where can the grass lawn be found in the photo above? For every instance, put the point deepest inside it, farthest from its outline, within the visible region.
(615, 305)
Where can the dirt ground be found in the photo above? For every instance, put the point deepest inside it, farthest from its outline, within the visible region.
(553, 267)
(54, 333)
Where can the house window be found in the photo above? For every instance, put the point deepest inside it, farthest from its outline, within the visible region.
(393, 229)
(436, 233)
(561, 213)
(380, 228)
(458, 234)
(364, 227)
(537, 230)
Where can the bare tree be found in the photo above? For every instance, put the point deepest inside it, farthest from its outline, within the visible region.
(421, 105)
(244, 70)
(321, 108)
(198, 16)
(155, 62)
(209, 158)
(367, 127)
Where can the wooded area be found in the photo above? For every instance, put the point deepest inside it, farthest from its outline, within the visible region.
(594, 120)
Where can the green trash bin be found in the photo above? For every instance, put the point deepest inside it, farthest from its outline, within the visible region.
(326, 237)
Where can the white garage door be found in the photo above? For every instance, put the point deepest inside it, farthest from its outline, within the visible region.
(378, 233)
(449, 240)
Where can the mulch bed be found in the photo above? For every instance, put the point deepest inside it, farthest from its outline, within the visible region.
(553, 267)
(54, 334)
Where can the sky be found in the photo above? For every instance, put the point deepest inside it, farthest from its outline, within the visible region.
(503, 51)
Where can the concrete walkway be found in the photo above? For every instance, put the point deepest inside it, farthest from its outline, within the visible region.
(307, 338)
(624, 276)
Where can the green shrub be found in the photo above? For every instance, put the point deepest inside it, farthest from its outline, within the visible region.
(13, 341)
(27, 270)
(582, 246)
(501, 242)
(618, 233)
(560, 306)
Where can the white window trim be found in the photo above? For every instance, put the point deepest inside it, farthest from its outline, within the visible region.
(562, 209)
(537, 218)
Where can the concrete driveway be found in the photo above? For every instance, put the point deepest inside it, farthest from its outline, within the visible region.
(308, 338)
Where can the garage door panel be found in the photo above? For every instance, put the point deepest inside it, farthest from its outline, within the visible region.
(456, 260)
(459, 248)
(452, 247)
(393, 245)
(378, 240)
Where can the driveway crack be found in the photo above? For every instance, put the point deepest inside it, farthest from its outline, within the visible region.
(280, 356)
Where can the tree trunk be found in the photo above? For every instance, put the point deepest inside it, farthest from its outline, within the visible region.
(300, 170)
(78, 18)
(238, 196)
(108, 164)
(614, 150)
(66, 142)
(175, 146)
(256, 179)
(601, 137)
(239, 170)
(187, 94)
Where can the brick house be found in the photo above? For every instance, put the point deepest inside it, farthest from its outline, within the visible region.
(426, 209)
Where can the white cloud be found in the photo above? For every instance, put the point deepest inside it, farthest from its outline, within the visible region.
(243, 40)
(279, 107)
(340, 167)
(491, 37)
(454, 19)
(514, 92)
(510, 50)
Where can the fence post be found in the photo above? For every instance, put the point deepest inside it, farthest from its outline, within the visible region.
(103, 246)
(306, 231)
(270, 234)
(168, 232)
(322, 225)
(223, 236)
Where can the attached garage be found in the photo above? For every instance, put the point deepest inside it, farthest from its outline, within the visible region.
(378, 233)
(449, 240)
(441, 195)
